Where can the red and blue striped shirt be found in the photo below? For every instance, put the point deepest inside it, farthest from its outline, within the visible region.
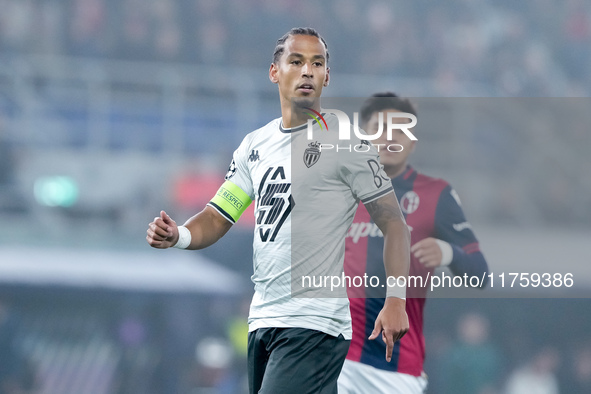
(432, 209)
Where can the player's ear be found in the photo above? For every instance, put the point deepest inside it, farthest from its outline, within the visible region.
(327, 77)
(273, 73)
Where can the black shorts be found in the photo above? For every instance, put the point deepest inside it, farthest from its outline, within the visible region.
(294, 360)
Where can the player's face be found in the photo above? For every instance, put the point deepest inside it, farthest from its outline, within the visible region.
(301, 72)
(391, 157)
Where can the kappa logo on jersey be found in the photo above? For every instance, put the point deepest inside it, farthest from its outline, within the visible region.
(409, 202)
(312, 154)
(274, 204)
(231, 170)
(254, 155)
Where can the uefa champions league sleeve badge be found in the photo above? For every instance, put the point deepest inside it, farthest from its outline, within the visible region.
(231, 170)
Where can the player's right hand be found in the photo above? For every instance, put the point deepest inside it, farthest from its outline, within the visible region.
(163, 232)
(392, 323)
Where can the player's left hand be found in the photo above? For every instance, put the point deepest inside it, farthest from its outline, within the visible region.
(427, 252)
(392, 322)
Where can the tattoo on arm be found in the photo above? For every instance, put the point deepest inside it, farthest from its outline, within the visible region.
(384, 210)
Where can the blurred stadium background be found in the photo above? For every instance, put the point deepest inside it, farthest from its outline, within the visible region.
(111, 110)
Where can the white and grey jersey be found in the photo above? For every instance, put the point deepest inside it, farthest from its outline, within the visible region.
(305, 200)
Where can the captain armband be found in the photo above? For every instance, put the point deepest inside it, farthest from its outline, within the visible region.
(230, 201)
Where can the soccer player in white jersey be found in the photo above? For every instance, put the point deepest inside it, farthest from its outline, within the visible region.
(305, 200)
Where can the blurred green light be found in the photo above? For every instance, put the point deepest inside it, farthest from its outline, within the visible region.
(56, 191)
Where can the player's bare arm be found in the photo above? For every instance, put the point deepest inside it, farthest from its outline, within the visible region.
(392, 320)
(206, 228)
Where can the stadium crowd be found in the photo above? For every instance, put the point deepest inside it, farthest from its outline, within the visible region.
(533, 48)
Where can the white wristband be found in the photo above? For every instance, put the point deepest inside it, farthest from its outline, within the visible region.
(396, 291)
(447, 253)
(184, 238)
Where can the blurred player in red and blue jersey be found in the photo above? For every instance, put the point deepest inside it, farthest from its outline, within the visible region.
(440, 236)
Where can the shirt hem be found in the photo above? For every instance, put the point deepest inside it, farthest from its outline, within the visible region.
(272, 323)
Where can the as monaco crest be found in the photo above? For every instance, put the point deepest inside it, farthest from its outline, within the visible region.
(312, 154)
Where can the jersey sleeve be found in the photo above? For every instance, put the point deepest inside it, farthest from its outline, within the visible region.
(362, 171)
(452, 227)
(237, 192)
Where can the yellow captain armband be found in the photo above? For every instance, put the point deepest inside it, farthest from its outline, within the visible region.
(231, 201)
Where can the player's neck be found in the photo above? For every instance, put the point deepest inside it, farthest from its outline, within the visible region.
(394, 170)
(290, 121)
(293, 118)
